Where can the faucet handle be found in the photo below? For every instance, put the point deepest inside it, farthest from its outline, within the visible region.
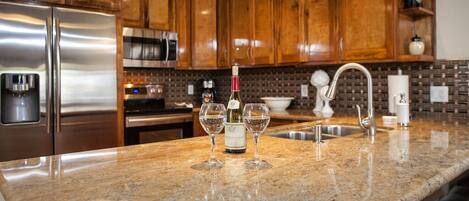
(363, 122)
(360, 120)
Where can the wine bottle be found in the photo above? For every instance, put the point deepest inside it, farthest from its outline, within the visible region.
(235, 135)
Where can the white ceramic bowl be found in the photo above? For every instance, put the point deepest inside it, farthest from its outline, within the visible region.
(277, 103)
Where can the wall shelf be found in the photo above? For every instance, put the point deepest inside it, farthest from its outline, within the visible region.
(424, 58)
(417, 12)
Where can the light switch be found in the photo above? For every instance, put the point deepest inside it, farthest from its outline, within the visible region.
(438, 94)
(190, 89)
(304, 90)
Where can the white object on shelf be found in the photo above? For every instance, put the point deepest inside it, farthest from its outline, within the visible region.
(319, 79)
(277, 103)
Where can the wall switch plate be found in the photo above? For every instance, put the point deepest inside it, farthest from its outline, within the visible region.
(190, 89)
(304, 90)
(438, 94)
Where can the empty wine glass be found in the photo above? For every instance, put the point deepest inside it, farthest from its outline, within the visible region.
(256, 118)
(212, 117)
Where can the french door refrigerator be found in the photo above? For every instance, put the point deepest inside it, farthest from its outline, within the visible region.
(58, 81)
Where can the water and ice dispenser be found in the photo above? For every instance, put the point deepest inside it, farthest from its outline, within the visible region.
(19, 98)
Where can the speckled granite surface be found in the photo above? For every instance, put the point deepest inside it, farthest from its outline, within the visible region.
(399, 165)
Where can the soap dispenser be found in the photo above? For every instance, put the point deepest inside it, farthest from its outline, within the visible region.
(403, 113)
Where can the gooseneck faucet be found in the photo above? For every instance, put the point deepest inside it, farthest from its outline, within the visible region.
(367, 123)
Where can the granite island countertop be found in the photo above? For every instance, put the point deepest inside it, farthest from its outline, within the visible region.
(399, 165)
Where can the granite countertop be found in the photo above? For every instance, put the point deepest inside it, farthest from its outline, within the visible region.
(399, 165)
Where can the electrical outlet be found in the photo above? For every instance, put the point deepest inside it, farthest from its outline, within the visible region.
(190, 89)
(438, 94)
(304, 90)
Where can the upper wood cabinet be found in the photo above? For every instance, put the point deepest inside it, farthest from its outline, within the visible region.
(153, 14)
(290, 31)
(133, 13)
(263, 34)
(320, 30)
(183, 28)
(159, 14)
(240, 30)
(252, 32)
(204, 34)
(97, 4)
(367, 30)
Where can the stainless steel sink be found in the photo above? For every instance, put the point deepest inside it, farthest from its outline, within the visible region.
(328, 132)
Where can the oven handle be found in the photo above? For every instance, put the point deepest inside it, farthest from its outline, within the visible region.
(156, 120)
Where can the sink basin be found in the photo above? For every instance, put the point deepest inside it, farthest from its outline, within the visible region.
(328, 132)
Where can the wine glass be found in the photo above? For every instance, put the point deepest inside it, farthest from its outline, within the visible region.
(212, 117)
(256, 118)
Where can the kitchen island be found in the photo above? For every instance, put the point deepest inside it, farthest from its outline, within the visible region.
(402, 164)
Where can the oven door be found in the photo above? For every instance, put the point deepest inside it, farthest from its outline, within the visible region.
(157, 128)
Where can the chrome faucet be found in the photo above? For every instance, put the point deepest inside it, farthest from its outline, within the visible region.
(367, 123)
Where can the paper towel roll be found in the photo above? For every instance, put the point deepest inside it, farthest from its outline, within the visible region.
(397, 84)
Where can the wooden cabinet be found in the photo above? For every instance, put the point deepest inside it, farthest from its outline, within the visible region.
(367, 30)
(204, 34)
(183, 28)
(320, 30)
(252, 32)
(153, 14)
(240, 30)
(290, 31)
(263, 35)
(96, 4)
(159, 14)
(133, 13)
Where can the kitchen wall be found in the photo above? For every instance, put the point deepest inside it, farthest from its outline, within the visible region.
(452, 29)
(286, 81)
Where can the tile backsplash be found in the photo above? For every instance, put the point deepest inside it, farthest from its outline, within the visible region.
(352, 89)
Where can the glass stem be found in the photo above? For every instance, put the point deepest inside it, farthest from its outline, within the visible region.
(256, 144)
(212, 152)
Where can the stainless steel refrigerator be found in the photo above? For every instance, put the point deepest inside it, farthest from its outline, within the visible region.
(58, 81)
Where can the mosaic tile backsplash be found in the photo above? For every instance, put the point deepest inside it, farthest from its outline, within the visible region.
(352, 90)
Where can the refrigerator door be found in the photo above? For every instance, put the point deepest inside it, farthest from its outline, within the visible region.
(86, 83)
(25, 53)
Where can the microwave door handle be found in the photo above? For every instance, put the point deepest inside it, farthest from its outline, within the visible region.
(167, 48)
(58, 72)
(49, 76)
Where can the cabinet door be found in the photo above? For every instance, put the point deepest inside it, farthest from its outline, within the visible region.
(204, 34)
(159, 14)
(183, 28)
(97, 4)
(133, 13)
(240, 15)
(263, 37)
(290, 31)
(320, 30)
(367, 29)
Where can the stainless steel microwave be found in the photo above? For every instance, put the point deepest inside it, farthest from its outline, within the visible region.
(147, 48)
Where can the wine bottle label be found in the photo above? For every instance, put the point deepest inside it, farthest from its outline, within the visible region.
(235, 137)
(233, 104)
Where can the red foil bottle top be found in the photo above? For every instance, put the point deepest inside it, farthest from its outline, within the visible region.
(234, 83)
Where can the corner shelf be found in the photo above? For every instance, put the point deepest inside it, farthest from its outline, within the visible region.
(417, 12)
(422, 58)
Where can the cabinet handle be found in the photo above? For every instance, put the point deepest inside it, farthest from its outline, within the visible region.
(341, 45)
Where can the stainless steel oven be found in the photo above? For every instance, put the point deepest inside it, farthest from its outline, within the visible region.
(149, 119)
(147, 48)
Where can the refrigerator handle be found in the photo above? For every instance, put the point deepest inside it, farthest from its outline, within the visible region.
(58, 83)
(49, 76)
